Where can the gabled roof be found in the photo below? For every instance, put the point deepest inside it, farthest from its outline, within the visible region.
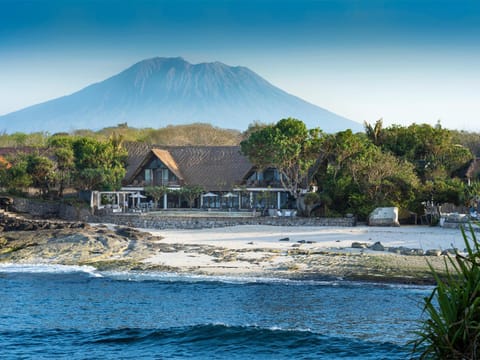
(137, 153)
(165, 157)
(215, 168)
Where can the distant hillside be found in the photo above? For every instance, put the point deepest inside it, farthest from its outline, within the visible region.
(170, 91)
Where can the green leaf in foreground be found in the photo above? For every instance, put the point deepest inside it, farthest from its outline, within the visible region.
(452, 327)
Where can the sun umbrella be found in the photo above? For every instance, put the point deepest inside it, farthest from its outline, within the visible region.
(137, 196)
(209, 195)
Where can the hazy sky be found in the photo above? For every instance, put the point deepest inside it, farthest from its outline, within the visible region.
(401, 60)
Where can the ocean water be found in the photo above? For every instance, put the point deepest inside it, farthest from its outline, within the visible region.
(61, 312)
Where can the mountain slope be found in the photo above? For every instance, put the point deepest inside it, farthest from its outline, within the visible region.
(170, 91)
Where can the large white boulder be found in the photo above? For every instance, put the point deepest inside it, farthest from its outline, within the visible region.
(384, 216)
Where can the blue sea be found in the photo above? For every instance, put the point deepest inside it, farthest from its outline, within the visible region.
(68, 312)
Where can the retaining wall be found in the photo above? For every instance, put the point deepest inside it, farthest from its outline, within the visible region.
(46, 210)
(179, 222)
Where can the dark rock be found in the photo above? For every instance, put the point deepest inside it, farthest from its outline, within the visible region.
(5, 202)
(358, 245)
(377, 247)
(394, 250)
(284, 239)
(449, 252)
(405, 250)
(433, 252)
(418, 252)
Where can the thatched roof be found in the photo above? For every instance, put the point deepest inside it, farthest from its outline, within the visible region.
(215, 168)
(166, 158)
(137, 152)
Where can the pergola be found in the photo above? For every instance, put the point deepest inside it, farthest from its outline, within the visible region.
(118, 200)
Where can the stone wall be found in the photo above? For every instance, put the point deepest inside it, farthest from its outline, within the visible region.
(74, 213)
(48, 210)
(179, 222)
(36, 208)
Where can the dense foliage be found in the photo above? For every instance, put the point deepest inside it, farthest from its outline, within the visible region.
(351, 173)
(176, 135)
(287, 146)
(354, 173)
(355, 176)
(67, 161)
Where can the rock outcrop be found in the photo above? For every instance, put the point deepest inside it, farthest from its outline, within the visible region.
(13, 222)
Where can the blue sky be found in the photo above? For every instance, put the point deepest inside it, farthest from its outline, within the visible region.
(401, 60)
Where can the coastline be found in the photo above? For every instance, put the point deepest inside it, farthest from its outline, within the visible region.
(256, 251)
(309, 253)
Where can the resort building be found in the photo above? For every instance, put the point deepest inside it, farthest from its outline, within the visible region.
(227, 178)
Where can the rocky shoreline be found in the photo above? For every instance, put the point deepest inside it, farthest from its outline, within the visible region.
(25, 241)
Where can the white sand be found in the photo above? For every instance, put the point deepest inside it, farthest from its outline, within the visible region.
(239, 237)
(256, 249)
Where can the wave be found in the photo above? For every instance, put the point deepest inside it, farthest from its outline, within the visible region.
(171, 277)
(139, 276)
(48, 269)
(194, 278)
(218, 341)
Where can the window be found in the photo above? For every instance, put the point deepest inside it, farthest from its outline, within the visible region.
(148, 177)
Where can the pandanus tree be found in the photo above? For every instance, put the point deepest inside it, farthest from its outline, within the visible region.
(452, 326)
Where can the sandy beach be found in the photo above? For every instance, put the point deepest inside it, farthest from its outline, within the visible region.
(244, 250)
(304, 251)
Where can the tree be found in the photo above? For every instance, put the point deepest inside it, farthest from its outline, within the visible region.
(62, 147)
(253, 127)
(191, 192)
(431, 148)
(156, 192)
(384, 180)
(14, 176)
(470, 140)
(99, 165)
(42, 172)
(374, 133)
(356, 176)
(289, 147)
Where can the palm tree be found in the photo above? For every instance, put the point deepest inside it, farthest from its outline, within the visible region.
(374, 133)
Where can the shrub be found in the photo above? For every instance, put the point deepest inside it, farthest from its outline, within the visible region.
(452, 328)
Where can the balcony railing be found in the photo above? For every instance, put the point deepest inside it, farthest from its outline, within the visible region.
(161, 182)
(264, 183)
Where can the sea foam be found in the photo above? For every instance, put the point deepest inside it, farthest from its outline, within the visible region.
(48, 269)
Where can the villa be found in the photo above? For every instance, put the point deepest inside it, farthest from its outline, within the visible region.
(228, 179)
